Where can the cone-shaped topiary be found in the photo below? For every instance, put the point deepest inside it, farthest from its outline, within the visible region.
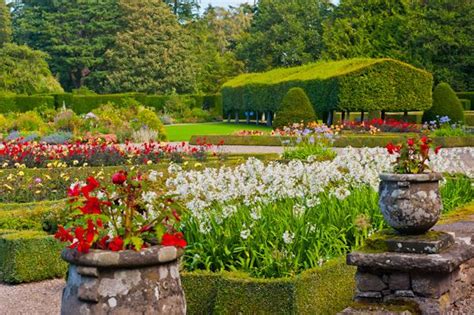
(445, 103)
(294, 108)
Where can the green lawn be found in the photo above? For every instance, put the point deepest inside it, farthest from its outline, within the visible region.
(185, 131)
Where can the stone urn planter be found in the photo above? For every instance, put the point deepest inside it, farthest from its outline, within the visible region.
(410, 203)
(124, 282)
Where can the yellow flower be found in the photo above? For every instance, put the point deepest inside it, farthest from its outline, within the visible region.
(85, 164)
(185, 163)
(75, 162)
(149, 162)
(197, 165)
(49, 165)
(38, 192)
(5, 165)
(47, 176)
(21, 173)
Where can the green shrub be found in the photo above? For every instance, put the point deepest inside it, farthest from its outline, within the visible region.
(198, 115)
(67, 120)
(29, 256)
(445, 103)
(349, 85)
(466, 104)
(29, 121)
(150, 119)
(295, 108)
(83, 104)
(19, 224)
(469, 118)
(4, 124)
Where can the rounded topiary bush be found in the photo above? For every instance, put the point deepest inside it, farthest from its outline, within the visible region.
(294, 108)
(445, 103)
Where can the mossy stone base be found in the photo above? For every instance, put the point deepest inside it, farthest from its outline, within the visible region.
(432, 242)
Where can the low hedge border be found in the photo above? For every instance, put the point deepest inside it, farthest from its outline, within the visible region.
(324, 290)
(469, 117)
(28, 256)
(356, 141)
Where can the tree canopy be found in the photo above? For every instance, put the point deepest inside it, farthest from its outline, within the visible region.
(5, 24)
(284, 33)
(25, 71)
(152, 51)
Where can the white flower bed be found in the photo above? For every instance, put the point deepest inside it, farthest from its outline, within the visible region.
(255, 181)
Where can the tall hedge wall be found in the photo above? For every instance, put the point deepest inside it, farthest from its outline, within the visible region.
(24, 103)
(349, 85)
(82, 104)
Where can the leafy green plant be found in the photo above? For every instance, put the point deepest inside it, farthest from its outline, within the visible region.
(445, 103)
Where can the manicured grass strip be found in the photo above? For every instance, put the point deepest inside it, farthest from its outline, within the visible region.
(30, 256)
(186, 131)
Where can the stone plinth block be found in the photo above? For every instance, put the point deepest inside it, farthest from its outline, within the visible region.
(429, 243)
(125, 282)
(446, 261)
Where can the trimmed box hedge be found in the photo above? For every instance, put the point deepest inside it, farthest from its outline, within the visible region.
(466, 104)
(354, 140)
(469, 118)
(29, 256)
(466, 96)
(324, 290)
(347, 85)
(24, 103)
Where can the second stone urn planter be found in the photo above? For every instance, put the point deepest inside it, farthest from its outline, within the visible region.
(124, 282)
(410, 203)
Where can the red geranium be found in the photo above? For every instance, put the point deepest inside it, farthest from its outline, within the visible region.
(412, 155)
(176, 239)
(116, 244)
(118, 217)
(119, 178)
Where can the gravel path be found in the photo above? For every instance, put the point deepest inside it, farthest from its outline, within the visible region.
(40, 298)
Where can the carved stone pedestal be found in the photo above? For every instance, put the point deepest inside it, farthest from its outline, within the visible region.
(428, 274)
(125, 282)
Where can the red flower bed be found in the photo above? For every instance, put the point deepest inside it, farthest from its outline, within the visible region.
(33, 154)
(388, 125)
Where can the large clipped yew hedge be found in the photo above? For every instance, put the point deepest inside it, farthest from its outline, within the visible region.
(346, 85)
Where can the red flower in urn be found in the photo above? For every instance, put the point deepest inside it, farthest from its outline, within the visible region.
(133, 213)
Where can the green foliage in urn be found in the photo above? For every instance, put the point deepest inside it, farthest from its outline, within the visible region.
(445, 103)
(151, 52)
(295, 108)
